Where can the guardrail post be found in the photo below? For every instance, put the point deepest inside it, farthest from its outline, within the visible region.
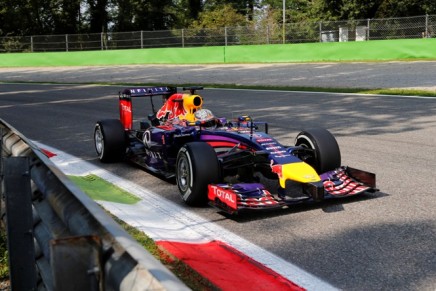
(225, 35)
(77, 263)
(142, 39)
(31, 43)
(17, 190)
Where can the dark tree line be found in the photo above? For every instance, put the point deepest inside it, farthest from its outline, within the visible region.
(38, 17)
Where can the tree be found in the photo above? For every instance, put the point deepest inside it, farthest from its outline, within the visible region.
(194, 8)
(98, 14)
(24, 17)
(402, 8)
(221, 16)
(123, 15)
(359, 9)
(37, 17)
(245, 8)
(66, 15)
(144, 15)
(364, 9)
(295, 10)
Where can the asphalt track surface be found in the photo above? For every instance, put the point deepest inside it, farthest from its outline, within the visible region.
(382, 241)
(403, 75)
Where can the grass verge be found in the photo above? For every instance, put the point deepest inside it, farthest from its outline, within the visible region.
(374, 50)
(99, 189)
(4, 258)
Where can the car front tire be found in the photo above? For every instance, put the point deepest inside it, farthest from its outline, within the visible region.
(326, 154)
(197, 166)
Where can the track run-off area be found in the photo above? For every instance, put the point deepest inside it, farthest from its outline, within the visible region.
(380, 241)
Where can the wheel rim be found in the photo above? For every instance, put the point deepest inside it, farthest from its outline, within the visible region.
(183, 174)
(99, 141)
(311, 160)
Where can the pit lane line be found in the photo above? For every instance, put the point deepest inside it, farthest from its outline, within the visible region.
(162, 220)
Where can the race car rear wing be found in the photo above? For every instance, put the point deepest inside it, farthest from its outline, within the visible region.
(125, 99)
(147, 91)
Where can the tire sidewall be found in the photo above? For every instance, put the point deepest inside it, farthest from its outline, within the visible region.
(184, 156)
(327, 155)
(203, 166)
(98, 129)
(113, 139)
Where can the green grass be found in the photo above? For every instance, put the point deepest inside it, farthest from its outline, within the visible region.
(4, 258)
(99, 189)
(374, 50)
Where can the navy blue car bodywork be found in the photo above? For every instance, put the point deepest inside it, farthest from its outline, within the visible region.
(227, 163)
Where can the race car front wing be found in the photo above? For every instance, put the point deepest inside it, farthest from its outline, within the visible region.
(339, 183)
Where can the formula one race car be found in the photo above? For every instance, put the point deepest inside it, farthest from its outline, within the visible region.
(234, 165)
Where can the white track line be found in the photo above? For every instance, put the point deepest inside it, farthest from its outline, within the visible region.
(163, 220)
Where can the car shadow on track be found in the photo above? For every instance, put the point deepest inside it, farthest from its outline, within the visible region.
(327, 206)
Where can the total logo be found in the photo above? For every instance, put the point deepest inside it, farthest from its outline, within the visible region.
(226, 196)
(126, 108)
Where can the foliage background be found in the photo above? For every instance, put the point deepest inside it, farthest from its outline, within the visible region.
(40, 17)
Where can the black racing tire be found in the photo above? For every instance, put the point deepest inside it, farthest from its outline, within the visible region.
(326, 154)
(197, 166)
(110, 140)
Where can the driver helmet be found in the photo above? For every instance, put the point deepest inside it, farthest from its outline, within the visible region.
(206, 118)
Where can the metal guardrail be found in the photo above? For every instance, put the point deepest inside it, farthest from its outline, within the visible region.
(60, 239)
(297, 32)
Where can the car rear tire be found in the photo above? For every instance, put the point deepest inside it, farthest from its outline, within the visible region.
(197, 166)
(326, 154)
(110, 140)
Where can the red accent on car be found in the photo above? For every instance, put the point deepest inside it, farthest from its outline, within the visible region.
(225, 144)
(228, 197)
(126, 114)
(277, 169)
(172, 107)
